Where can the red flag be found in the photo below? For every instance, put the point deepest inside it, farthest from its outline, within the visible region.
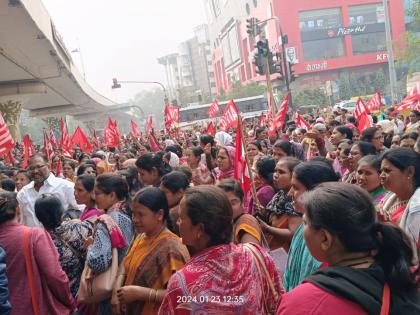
(28, 150)
(149, 126)
(411, 102)
(58, 168)
(171, 115)
(65, 144)
(416, 89)
(262, 120)
(211, 130)
(52, 138)
(95, 139)
(6, 141)
(134, 129)
(80, 138)
(301, 122)
(230, 117)
(361, 115)
(10, 159)
(112, 134)
(153, 145)
(375, 102)
(214, 109)
(48, 148)
(278, 120)
(241, 167)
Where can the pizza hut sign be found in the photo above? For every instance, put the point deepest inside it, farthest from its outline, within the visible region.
(342, 31)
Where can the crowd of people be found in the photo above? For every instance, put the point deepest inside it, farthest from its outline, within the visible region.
(330, 223)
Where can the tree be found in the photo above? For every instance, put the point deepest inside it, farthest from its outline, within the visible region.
(310, 96)
(408, 47)
(345, 86)
(151, 102)
(241, 91)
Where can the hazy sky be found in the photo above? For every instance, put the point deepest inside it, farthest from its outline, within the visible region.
(124, 38)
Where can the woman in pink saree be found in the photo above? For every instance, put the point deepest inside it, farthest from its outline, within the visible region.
(221, 277)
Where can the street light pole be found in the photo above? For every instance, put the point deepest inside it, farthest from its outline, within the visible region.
(391, 64)
(117, 84)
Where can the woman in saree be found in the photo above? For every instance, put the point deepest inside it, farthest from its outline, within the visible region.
(400, 174)
(280, 219)
(245, 227)
(221, 277)
(367, 175)
(300, 263)
(225, 164)
(154, 256)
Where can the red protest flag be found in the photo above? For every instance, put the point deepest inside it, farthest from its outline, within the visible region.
(171, 115)
(149, 126)
(262, 120)
(80, 138)
(111, 134)
(153, 145)
(52, 138)
(375, 102)
(411, 102)
(211, 130)
(361, 115)
(65, 144)
(230, 117)
(95, 139)
(58, 168)
(241, 166)
(214, 109)
(301, 122)
(28, 150)
(48, 148)
(279, 119)
(6, 141)
(134, 129)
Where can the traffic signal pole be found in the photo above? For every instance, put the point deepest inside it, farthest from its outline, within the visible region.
(270, 88)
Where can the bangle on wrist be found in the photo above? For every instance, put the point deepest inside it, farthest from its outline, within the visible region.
(150, 295)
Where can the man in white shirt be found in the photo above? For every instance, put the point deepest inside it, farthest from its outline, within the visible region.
(43, 182)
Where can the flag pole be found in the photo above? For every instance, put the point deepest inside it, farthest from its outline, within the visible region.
(251, 175)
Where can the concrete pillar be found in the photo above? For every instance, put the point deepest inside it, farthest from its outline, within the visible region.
(11, 113)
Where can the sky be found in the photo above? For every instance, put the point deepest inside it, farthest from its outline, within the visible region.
(124, 38)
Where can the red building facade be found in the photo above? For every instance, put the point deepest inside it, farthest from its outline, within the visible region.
(324, 38)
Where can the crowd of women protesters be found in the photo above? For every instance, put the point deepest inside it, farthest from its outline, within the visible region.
(331, 224)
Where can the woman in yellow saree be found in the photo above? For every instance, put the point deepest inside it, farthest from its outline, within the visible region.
(154, 256)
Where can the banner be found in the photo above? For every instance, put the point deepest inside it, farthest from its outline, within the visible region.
(214, 109)
(230, 117)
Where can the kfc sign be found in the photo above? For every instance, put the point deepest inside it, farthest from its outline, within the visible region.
(382, 57)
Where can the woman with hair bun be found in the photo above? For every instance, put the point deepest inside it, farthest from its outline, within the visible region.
(154, 256)
(306, 176)
(369, 263)
(152, 168)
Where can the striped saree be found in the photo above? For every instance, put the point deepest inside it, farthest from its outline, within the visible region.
(150, 263)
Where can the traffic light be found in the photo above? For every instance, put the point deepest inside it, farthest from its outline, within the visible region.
(253, 27)
(277, 66)
(115, 84)
(259, 63)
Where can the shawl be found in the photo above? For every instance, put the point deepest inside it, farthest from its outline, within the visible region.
(364, 287)
(410, 220)
(219, 174)
(223, 279)
(378, 194)
(150, 263)
(279, 205)
(115, 234)
(300, 263)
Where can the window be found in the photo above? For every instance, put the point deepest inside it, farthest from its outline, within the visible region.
(323, 49)
(320, 19)
(372, 18)
(230, 46)
(247, 9)
(315, 27)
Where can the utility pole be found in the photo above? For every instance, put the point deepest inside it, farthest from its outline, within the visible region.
(116, 84)
(391, 64)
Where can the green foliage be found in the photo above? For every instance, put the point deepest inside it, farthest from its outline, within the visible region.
(310, 96)
(241, 91)
(151, 102)
(408, 46)
(351, 85)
